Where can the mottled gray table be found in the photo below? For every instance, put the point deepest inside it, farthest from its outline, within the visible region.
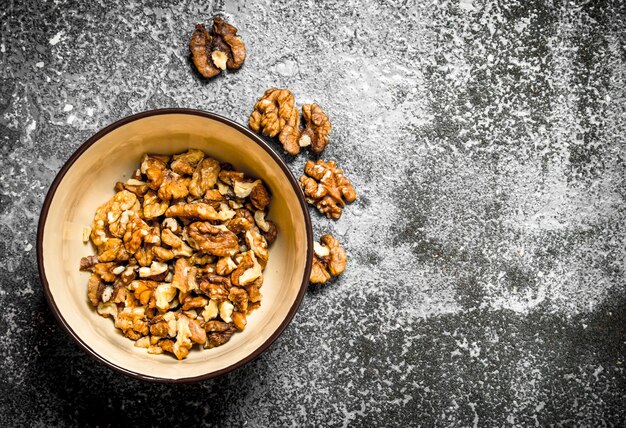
(487, 247)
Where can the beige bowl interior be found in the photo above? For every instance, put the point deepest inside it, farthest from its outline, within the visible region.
(89, 183)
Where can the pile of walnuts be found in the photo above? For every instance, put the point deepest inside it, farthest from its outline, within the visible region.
(181, 250)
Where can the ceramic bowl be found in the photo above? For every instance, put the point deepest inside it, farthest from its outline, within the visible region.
(86, 181)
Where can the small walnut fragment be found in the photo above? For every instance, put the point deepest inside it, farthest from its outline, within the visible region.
(215, 287)
(257, 243)
(183, 338)
(239, 297)
(225, 266)
(179, 253)
(196, 210)
(218, 333)
(174, 186)
(155, 168)
(239, 320)
(316, 128)
(95, 288)
(213, 239)
(152, 206)
(135, 235)
(164, 294)
(185, 163)
(137, 187)
(247, 264)
(181, 272)
(326, 187)
(329, 259)
(218, 50)
(106, 271)
(88, 262)
(132, 321)
(143, 290)
(319, 274)
(204, 177)
(228, 176)
(259, 196)
(108, 221)
(275, 114)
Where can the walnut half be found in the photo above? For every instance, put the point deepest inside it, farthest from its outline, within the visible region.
(317, 127)
(326, 187)
(218, 50)
(329, 256)
(275, 114)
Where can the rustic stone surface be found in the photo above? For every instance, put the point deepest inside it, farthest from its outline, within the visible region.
(487, 246)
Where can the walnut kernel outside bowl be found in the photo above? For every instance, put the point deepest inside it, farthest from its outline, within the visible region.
(86, 181)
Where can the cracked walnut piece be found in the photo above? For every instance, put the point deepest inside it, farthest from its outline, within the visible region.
(275, 114)
(329, 259)
(180, 253)
(326, 187)
(316, 129)
(218, 50)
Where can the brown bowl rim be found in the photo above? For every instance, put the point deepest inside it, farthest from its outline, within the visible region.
(74, 157)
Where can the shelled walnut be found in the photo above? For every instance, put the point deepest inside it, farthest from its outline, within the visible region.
(218, 50)
(316, 129)
(275, 114)
(329, 259)
(175, 264)
(326, 187)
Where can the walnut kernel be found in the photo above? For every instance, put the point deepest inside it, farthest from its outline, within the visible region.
(326, 187)
(275, 114)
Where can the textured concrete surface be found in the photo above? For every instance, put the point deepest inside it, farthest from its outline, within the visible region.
(486, 139)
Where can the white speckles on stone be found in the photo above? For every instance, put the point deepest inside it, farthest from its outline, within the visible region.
(467, 5)
(475, 419)
(597, 372)
(57, 38)
(521, 25)
(474, 350)
(286, 68)
(539, 407)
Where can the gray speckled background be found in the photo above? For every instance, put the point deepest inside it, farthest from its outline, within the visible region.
(486, 139)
